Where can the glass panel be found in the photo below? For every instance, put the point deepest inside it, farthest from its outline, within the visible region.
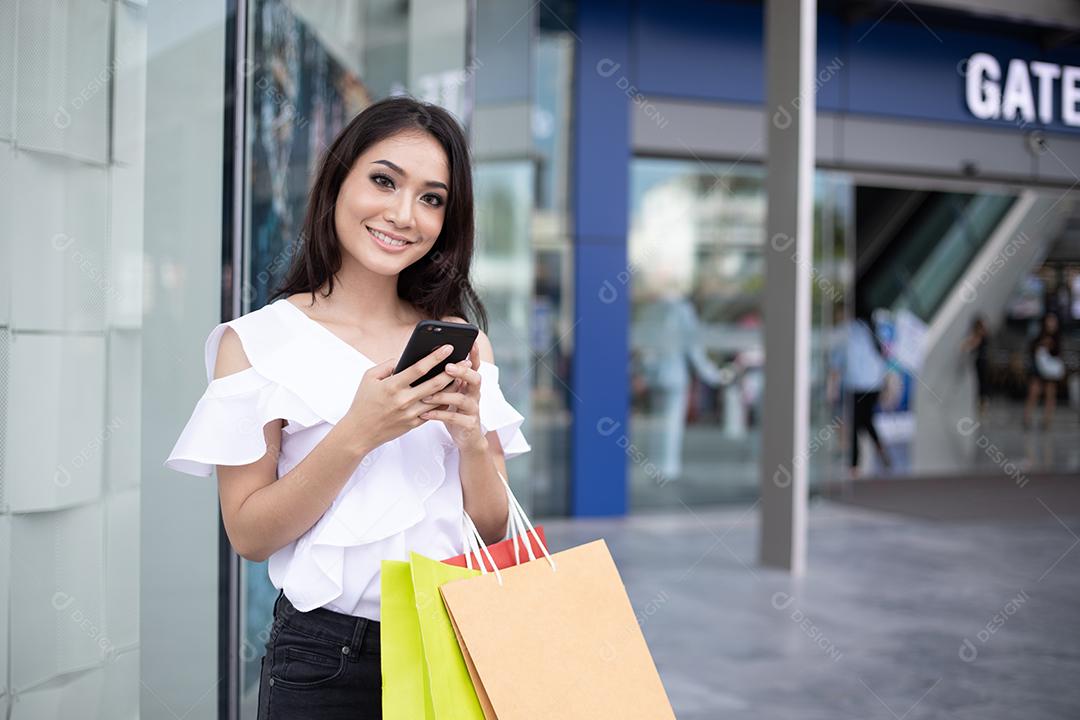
(552, 252)
(697, 359)
(313, 66)
(110, 164)
(523, 70)
(503, 269)
(834, 217)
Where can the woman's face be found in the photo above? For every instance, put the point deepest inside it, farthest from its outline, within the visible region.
(392, 204)
(1050, 323)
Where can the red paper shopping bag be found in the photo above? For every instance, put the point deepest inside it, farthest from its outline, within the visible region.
(503, 552)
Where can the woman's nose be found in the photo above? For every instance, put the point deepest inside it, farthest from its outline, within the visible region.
(400, 211)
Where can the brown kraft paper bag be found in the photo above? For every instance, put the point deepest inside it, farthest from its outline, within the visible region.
(556, 639)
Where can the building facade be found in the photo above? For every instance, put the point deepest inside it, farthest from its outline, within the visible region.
(156, 158)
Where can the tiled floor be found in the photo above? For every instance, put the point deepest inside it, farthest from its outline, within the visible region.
(897, 617)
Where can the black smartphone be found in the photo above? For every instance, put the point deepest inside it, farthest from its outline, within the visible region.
(431, 334)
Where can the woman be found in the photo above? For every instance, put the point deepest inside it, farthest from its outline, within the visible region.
(328, 463)
(1046, 369)
(977, 345)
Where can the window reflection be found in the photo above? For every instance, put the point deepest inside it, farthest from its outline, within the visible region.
(697, 264)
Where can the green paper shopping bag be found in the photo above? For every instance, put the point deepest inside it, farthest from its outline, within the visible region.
(452, 693)
(423, 672)
(405, 692)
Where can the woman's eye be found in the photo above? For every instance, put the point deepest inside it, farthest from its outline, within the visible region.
(383, 181)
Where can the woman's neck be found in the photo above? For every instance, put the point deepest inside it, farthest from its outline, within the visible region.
(363, 297)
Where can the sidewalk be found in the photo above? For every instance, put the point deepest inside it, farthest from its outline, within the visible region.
(898, 617)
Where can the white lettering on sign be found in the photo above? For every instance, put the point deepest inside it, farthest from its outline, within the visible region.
(1024, 92)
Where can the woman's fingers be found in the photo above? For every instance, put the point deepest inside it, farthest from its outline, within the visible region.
(448, 416)
(461, 400)
(466, 375)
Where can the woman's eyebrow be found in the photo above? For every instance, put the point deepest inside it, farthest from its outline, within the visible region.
(396, 168)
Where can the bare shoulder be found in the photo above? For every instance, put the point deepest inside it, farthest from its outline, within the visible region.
(483, 344)
(231, 357)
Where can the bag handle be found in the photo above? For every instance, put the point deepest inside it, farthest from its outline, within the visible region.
(474, 543)
(519, 525)
(518, 516)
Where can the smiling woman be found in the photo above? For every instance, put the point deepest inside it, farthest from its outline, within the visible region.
(395, 193)
(328, 460)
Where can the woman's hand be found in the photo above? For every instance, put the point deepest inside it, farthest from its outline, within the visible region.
(386, 406)
(460, 402)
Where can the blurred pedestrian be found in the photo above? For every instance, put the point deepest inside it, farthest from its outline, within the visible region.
(864, 378)
(1046, 370)
(977, 345)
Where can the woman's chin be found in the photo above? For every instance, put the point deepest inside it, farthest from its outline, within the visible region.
(384, 264)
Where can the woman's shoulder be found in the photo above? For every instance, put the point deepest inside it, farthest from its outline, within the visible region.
(231, 357)
(483, 343)
(234, 345)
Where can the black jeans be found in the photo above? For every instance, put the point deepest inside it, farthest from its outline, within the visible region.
(320, 664)
(863, 419)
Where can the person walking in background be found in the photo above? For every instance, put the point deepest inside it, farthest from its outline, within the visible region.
(1046, 369)
(668, 329)
(864, 376)
(977, 345)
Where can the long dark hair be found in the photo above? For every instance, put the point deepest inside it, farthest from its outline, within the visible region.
(437, 284)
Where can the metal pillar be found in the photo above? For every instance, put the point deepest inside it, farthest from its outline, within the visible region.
(790, 59)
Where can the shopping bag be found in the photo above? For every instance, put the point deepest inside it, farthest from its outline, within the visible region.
(452, 693)
(423, 672)
(587, 657)
(505, 553)
(405, 690)
(425, 675)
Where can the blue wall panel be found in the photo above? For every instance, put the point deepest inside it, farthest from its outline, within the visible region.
(702, 50)
(600, 377)
(601, 359)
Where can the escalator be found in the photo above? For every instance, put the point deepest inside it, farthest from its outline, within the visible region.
(945, 258)
(913, 246)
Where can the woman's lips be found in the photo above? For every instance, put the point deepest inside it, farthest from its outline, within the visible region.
(386, 242)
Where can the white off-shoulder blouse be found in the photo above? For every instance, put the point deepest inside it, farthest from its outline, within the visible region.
(404, 496)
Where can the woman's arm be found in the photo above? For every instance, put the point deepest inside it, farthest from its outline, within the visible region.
(482, 489)
(263, 513)
(484, 495)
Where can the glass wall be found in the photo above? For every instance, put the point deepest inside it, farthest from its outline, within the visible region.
(110, 276)
(523, 67)
(696, 249)
(553, 50)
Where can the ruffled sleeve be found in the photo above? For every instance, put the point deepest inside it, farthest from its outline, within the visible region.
(226, 426)
(499, 415)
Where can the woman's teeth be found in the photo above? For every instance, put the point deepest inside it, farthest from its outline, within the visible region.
(386, 239)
